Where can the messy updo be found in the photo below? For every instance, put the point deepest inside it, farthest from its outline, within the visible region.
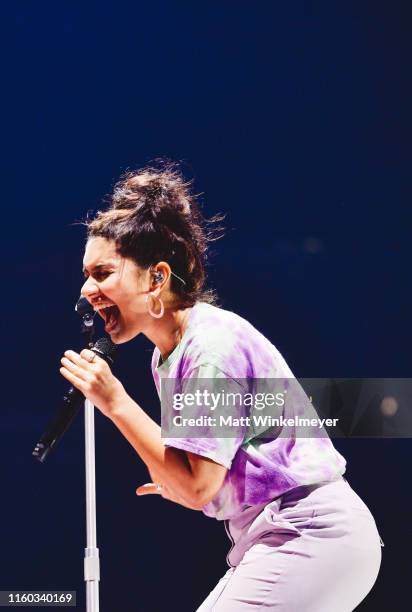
(153, 216)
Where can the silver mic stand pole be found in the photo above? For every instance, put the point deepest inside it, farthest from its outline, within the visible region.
(91, 552)
(91, 558)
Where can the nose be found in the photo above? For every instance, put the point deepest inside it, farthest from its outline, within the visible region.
(89, 289)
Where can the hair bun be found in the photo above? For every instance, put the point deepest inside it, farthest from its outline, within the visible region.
(153, 187)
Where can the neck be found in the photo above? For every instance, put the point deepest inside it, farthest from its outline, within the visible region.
(167, 332)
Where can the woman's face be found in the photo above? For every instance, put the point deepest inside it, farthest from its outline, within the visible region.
(116, 287)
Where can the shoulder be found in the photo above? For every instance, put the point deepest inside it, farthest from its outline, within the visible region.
(232, 344)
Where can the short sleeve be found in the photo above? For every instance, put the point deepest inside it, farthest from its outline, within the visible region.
(213, 446)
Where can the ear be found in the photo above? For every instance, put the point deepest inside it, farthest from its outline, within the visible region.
(159, 277)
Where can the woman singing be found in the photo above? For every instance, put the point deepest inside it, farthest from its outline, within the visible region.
(301, 538)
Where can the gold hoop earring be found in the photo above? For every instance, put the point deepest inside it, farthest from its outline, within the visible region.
(149, 310)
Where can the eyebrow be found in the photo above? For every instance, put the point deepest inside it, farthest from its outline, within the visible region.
(97, 267)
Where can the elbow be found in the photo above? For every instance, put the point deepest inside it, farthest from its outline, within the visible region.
(203, 496)
(199, 500)
(205, 480)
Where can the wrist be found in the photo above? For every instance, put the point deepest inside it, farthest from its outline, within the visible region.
(118, 403)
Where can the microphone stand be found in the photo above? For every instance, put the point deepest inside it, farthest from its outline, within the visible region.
(91, 552)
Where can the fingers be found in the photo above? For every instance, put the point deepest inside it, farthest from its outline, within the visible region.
(83, 361)
(76, 359)
(76, 382)
(74, 369)
(148, 489)
(152, 489)
(89, 356)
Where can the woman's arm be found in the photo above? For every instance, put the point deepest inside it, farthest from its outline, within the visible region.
(152, 488)
(193, 478)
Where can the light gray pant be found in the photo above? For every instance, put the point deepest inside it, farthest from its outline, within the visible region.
(315, 549)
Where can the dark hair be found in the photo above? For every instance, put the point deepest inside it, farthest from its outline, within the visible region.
(153, 216)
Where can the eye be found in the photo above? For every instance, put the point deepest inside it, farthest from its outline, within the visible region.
(101, 275)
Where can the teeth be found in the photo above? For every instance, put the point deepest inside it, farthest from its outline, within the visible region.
(97, 307)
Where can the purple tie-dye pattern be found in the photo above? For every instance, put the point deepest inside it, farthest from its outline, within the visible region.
(221, 342)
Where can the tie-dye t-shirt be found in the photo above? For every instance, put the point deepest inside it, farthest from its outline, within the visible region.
(218, 343)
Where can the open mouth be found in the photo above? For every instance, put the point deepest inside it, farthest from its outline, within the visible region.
(110, 314)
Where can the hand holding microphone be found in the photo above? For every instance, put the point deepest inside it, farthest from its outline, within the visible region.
(92, 376)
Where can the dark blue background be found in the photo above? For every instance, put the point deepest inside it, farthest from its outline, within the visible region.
(294, 118)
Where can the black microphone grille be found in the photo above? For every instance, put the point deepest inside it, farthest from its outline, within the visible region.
(105, 348)
(83, 306)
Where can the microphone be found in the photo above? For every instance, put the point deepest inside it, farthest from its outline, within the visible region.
(83, 307)
(86, 311)
(105, 349)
